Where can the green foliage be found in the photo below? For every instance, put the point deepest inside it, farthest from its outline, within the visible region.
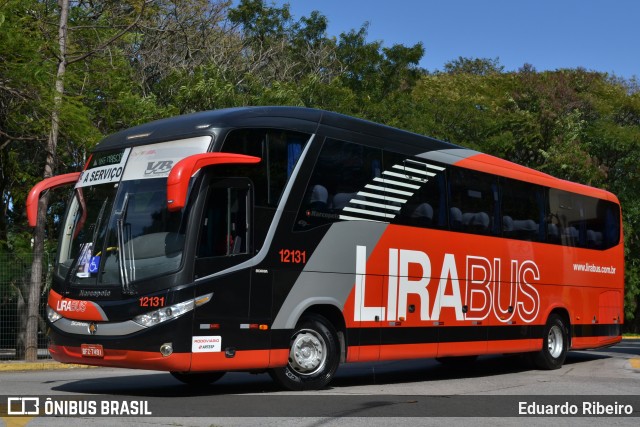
(476, 66)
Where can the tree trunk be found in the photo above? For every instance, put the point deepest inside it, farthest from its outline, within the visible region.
(33, 308)
(21, 313)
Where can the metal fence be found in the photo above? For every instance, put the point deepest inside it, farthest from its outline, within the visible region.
(15, 275)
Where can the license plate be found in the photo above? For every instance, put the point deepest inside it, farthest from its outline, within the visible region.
(92, 350)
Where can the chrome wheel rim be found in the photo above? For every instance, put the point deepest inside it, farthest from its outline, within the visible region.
(308, 353)
(555, 341)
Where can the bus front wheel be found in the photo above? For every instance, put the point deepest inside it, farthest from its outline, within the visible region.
(313, 356)
(555, 344)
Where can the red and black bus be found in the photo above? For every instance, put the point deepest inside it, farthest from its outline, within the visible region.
(292, 239)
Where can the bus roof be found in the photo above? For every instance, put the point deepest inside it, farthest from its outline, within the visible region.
(309, 120)
(293, 118)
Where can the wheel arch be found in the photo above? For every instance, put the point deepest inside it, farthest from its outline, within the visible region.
(566, 317)
(334, 316)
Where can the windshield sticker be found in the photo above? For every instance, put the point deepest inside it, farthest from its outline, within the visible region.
(103, 174)
(156, 160)
(94, 264)
(84, 261)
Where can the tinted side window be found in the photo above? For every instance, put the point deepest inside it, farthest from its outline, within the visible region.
(423, 185)
(224, 229)
(585, 222)
(523, 212)
(279, 150)
(341, 186)
(473, 202)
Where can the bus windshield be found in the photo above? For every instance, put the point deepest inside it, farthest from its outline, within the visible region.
(139, 240)
(118, 229)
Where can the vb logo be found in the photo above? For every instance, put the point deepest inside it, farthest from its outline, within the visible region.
(161, 167)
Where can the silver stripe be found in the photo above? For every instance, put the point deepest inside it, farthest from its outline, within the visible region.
(79, 327)
(421, 172)
(376, 205)
(404, 176)
(398, 183)
(438, 168)
(388, 190)
(331, 268)
(356, 218)
(381, 197)
(366, 212)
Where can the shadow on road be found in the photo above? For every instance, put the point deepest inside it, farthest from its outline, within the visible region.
(349, 375)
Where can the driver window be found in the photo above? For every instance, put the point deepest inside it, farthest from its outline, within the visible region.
(224, 226)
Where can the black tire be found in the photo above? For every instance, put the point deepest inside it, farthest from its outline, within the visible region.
(198, 378)
(314, 355)
(555, 344)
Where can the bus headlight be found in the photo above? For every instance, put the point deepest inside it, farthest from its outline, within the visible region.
(167, 313)
(52, 315)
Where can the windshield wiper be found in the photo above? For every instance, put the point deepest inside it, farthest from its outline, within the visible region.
(125, 249)
(86, 248)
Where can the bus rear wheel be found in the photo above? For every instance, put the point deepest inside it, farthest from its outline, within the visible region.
(313, 356)
(197, 378)
(555, 344)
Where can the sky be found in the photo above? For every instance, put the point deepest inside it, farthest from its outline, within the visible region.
(598, 35)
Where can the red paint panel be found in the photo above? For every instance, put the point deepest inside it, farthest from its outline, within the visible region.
(124, 358)
(494, 165)
(498, 282)
(515, 346)
(408, 351)
(243, 360)
(462, 349)
(46, 184)
(75, 309)
(181, 173)
(583, 343)
(364, 353)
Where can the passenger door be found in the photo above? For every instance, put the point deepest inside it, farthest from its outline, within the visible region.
(223, 245)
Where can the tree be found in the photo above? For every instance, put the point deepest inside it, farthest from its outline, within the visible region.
(64, 59)
(476, 66)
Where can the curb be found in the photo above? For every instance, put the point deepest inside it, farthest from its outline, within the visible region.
(11, 366)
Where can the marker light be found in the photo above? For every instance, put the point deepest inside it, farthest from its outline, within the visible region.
(166, 349)
(168, 313)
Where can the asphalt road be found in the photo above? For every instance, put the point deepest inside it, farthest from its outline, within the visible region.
(389, 393)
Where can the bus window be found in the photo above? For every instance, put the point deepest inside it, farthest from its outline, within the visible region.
(473, 202)
(280, 151)
(586, 222)
(224, 225)
(342, 186)
(426, 207)
(523, 211)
